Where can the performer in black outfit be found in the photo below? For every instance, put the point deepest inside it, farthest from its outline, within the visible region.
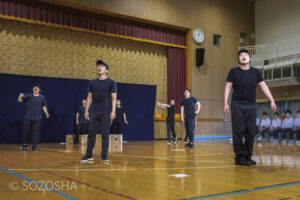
(81, 122)
(118, 122)
(100, 110)
(35, 103)
(188, 115)
(170, 119)
(244, 79)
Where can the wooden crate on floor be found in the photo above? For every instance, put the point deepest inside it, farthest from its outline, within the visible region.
(115, 147)
(115, 139)
(70, 139)
(83, 139)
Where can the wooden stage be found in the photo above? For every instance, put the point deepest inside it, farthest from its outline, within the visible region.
(150, 170)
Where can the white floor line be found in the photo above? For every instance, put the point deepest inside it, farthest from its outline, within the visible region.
(74, 169)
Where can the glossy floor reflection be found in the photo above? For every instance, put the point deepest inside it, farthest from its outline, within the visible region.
(150, 170)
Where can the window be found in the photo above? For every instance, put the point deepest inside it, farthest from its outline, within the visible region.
(276, 73)
(286, 72)
(268, 74)
(217, 40)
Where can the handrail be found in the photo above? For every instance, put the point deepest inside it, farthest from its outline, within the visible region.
(272, 43)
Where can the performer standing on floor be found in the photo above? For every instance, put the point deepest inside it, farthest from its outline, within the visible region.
(244, 79)
(170, 119)
(101, 102)
(188, 109)
(35, 103)
(81, 122)
(118, 122)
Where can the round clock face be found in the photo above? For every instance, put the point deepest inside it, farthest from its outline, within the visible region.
(198, 35)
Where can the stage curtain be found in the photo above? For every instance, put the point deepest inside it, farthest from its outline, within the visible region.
(176, 75)
(37, 12)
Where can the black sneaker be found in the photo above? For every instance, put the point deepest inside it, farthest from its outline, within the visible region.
(86, 158)
(169, 142)
(185, 140)
(105, 160)
(242, 162)
(24, 147)
(252, 162)
(189, 145)
(34, 148)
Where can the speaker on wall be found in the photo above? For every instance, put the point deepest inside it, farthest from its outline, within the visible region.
(199, 56)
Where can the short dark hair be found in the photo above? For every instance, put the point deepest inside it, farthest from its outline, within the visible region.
(187, 89)
(243, 51)
(172, 98)
(100, 62)
(265, 113)
(288, 111)
(276, 113)
(37, 85)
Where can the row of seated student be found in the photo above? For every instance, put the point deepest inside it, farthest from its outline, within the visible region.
(279, 129)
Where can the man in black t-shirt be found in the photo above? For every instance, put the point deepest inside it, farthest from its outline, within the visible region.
(118, 122)
(100, 110)
(188, 109)
(170, 119)
(244, 79)
(35, 103)
(81, 122)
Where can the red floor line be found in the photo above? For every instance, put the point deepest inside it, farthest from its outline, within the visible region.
(87, 184)
(80, 182)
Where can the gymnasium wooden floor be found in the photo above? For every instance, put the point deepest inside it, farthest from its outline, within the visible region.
(150, 170)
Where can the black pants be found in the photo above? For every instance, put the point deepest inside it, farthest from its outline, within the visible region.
(31, 125)
(286, 131)
(243, 116)
(264, 131)
(81, 129)
(170, 127)
(189, 128)
(297, 131)
(102, 120)
(275, 132)
(116, 127)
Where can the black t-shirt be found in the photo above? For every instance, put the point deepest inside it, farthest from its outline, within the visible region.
(34, 106)
(81, 118)
(119, 114)
(244, 83)
(101, 95)
(189, 107)
(171, 112)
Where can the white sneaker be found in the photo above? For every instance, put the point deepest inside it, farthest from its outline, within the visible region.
(284, 141)
(259, 145)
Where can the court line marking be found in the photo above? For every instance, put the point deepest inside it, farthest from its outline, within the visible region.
(39, 184)
(217, 167)
(245, 191)
(86, 184)
(72, 169)
(80, 182)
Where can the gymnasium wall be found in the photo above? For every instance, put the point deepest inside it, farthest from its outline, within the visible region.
(228, 18)
(276, 20)
(37, 50)
(281, 93)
